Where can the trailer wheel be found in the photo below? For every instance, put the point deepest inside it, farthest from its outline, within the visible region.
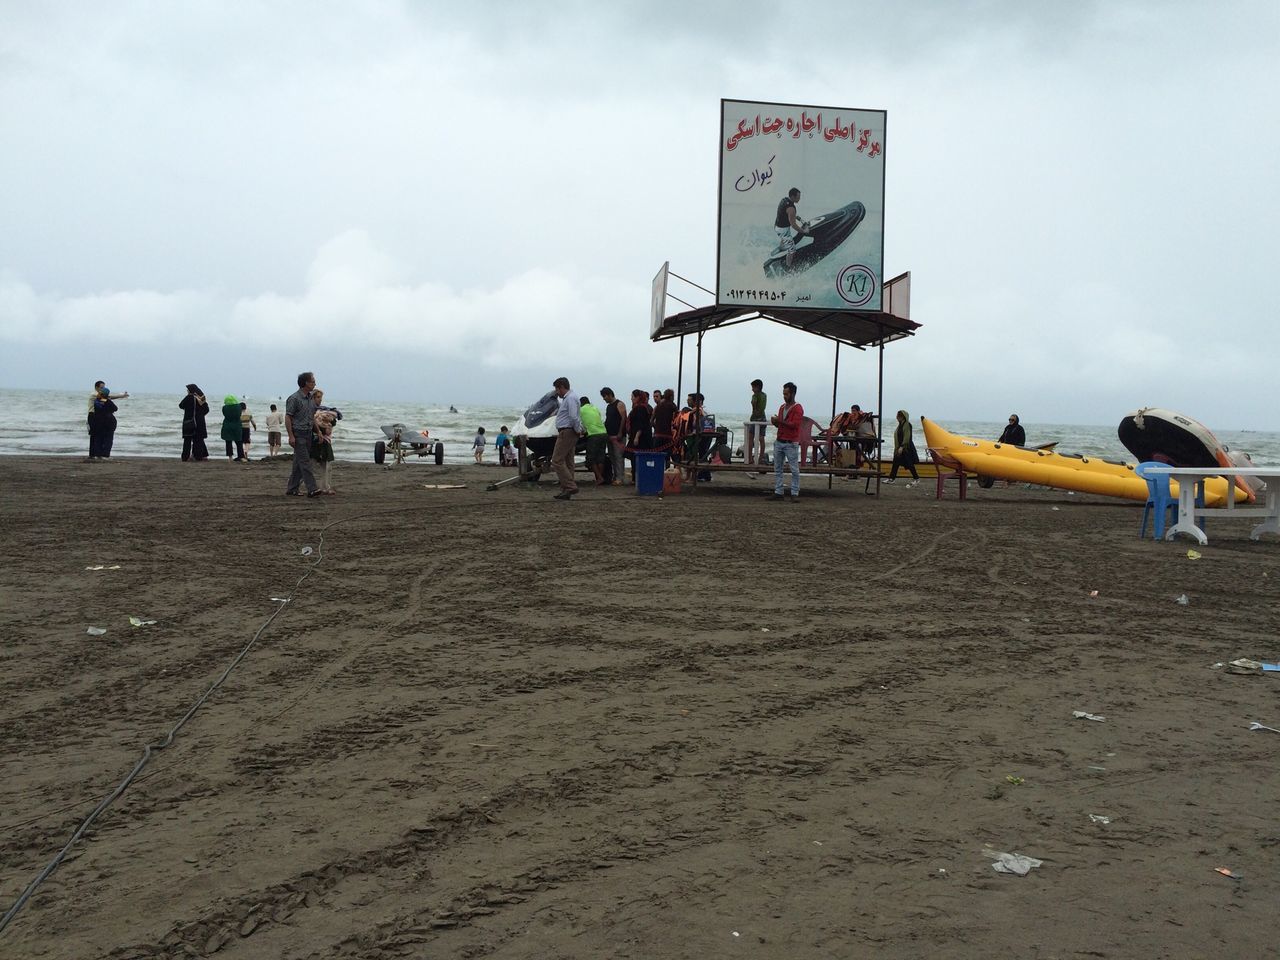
(986, 483)
(379, 451)
(439, 454)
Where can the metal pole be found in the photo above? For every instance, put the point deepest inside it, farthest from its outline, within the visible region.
(680, 371)
(697, 425)
(831, 447)
(880, 407)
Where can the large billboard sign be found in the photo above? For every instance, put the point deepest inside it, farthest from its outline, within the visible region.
(801, 207)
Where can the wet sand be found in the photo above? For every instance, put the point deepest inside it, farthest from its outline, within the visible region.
(489, 724)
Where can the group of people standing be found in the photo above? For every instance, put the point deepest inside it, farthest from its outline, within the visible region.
(236, 431)
(101, 420)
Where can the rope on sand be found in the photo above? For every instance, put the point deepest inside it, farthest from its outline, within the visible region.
(152, 748)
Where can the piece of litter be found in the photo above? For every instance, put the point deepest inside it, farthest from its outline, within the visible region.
(1053, 508)
(1015, 863)
(1098, 818)
(817, 843)
(306, 551)
(1271, 668)
(1081, 715)
(736, 933)
(1182, 600)
(95, 631)
(1016, 781)
(764, 629)
(1193, 554)
(98, 567)
(444, 486)
(139, 622)
(1099, 769)
(1227, 873)
(1244, 665)
(1093, 593)
(280, 599)
(1262, 726)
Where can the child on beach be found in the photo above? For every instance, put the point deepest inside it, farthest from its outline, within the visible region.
(502, 443)
(478, 443)
(322, 441)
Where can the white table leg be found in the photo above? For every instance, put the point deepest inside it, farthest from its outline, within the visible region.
(1187, 513)
(1272, 523)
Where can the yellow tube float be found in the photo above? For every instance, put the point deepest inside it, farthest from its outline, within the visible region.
(1048, 468)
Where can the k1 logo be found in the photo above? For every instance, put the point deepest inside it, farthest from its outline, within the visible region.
(856, 284)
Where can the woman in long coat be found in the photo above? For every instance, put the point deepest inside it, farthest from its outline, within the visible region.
(194, 409)
(231, 431)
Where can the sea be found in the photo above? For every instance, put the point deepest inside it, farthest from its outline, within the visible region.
(52, 423)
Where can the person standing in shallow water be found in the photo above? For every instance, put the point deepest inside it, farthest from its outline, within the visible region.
(194, 409)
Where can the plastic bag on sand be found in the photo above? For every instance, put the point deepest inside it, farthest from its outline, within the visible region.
(1015, 863)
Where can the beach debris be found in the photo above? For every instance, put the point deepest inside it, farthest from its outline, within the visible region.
(735, 933)
(96, 631)
(1097, 768)
(1016, 781)
(444, 486)
(1015, 863)
(764, 629)
(1182, 601)
(1194, 554)
(102, 567)
(1244, 665)
(1081, 715)
(1228, 873)
(1271, 668)
(139, 622)
(1255, 725)
(1093, 593)
(307, 551)
(280, 599)
(1099, 818)
(1053, 508)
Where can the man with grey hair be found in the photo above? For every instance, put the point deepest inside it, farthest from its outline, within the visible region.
(299, 414)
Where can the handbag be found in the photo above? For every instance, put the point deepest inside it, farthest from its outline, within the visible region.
(188, 429)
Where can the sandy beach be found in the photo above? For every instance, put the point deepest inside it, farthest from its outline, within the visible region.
(489, 724)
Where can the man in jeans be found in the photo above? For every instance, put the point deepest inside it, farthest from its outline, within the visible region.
(787, 446)
(299, 412)
(568, 427)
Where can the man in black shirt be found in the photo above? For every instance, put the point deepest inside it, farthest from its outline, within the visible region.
(1014, 433)
(786, 221)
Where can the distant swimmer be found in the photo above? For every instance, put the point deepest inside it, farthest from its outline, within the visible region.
(452, 408)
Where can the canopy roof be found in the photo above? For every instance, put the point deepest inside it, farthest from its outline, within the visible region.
(857, 328)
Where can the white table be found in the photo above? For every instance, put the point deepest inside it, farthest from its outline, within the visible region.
(1189, 478)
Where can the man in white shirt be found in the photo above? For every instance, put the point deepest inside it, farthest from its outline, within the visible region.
(275, 425)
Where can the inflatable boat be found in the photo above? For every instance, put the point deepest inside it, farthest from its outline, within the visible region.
(821, 236)
(1048, 468)
(1153, 433)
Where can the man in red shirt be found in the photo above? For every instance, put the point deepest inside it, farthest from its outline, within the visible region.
(787, 445)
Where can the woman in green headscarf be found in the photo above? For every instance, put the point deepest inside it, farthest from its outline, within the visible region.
(231, 432)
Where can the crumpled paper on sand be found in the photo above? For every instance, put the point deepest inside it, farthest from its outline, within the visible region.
(1015, 863)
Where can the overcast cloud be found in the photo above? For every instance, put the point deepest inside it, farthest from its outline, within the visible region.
(458, 202)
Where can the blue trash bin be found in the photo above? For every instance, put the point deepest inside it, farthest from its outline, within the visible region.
(649, 470)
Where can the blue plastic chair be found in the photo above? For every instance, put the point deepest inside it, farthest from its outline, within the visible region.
(1160, 500)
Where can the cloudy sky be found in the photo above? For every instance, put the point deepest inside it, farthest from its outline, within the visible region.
(441, 201)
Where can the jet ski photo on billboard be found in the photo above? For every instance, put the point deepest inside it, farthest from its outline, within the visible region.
(821, 236)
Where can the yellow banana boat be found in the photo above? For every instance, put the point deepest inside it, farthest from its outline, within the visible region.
(1048, 468)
